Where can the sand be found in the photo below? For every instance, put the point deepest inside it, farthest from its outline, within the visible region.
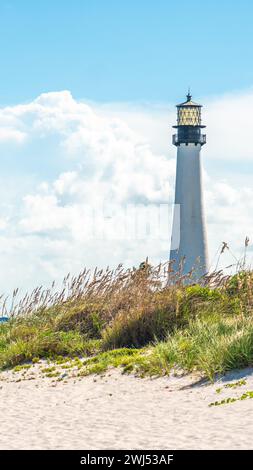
(122, 412)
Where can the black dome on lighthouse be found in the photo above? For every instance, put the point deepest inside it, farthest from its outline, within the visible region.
(189, 102)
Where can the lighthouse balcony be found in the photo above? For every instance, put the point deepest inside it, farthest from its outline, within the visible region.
(188, 139)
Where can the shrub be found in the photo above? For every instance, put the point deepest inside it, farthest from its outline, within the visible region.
(145, 323)
(87, 318)
(46, 344)
(209, 346)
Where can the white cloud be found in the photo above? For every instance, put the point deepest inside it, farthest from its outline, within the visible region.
(229, 121)
(3, 224)
(84, 156)
(7, 134)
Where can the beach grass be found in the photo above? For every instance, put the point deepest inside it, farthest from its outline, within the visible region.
(147, 321)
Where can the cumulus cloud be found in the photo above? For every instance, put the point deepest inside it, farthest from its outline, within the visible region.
(7, 134)
(88, 167)
(71, 218)
(229, 124)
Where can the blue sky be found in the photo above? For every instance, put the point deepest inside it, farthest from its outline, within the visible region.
(130, 50)
(87, 95)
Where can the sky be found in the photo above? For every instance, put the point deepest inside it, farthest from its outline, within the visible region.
(141, 50)
(87, 103)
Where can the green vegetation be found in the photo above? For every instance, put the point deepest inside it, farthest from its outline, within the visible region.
(240, 383)
(226, 401)
(124, 357)
(47, 370)
(23, 367)
(145, 320)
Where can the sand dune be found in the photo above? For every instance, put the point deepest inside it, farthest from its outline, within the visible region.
(122, 412)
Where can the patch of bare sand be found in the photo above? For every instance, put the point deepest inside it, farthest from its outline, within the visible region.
(122, 412)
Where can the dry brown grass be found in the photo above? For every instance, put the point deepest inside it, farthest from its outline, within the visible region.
(108, 309)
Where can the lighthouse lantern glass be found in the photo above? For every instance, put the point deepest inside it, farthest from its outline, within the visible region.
(189, 116)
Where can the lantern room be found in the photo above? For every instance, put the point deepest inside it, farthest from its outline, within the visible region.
(189, 123)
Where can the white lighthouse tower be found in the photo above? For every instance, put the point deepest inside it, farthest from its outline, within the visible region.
(189, 244)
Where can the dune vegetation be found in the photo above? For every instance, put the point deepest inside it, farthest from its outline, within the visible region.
(146, 320)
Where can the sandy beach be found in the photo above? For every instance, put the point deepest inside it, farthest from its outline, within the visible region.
(117, 411)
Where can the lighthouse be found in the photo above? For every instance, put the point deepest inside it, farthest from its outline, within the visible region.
(189, 243)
